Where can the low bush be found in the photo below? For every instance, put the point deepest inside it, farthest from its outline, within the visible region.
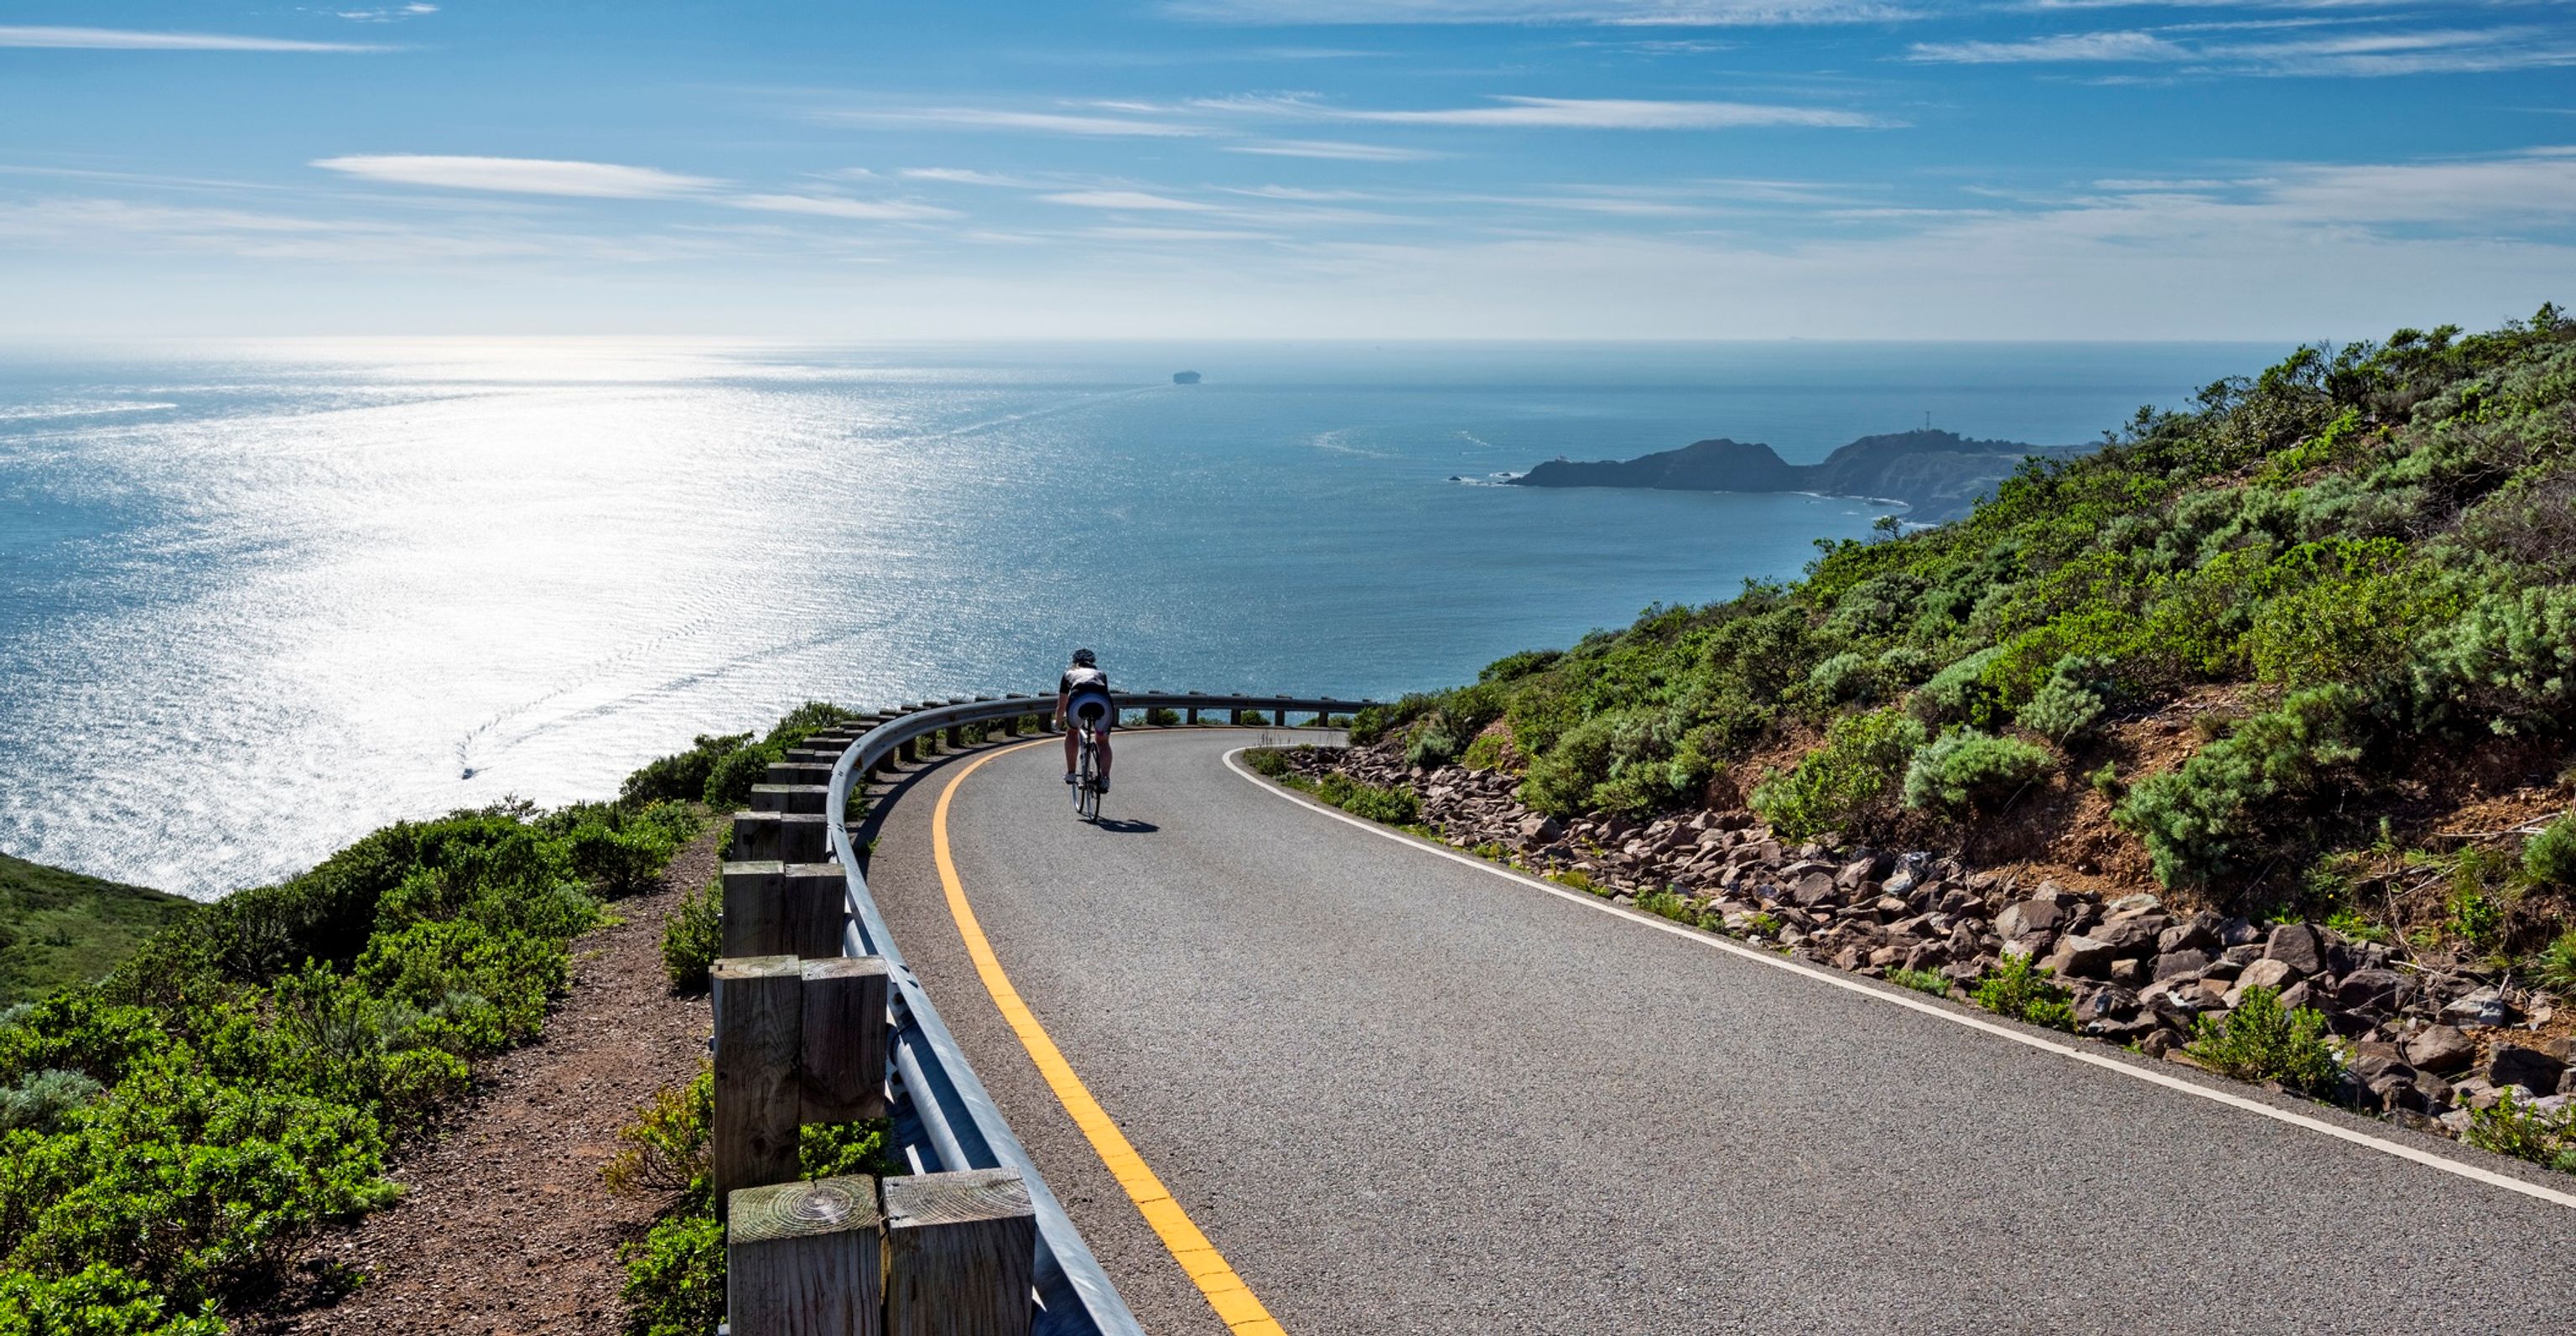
(1841, 678)
(2556, 967)
(1251, 718)
(2262, 1041)
(42, 1100)
(2512, 1127)
(2549, 857)
(692, 937)
(2019, 988)
(2201, 819)
(2068, 703)
(1484, 753)
(1849, 784)
(1394, 807)
(681, 777)
(1434, 746)
(1669, 904)
(675, 1278)
(1162, 718)
(664, 1152)
(1269, 761)
(1964, 770)
(1922, 981)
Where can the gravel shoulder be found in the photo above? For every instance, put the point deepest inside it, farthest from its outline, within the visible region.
(505, 1228)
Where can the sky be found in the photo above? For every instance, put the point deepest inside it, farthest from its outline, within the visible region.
(1346, 169)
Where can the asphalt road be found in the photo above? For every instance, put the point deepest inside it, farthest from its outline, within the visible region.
(1402, 1095)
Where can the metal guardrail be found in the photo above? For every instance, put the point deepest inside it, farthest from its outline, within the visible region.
(942, 1118)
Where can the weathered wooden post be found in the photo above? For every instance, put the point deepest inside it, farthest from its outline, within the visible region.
(787, 837)
(842, 1068)
(789, 797)
(959, 1249)
(805, 1259)
(774, 908)
(759, 1008)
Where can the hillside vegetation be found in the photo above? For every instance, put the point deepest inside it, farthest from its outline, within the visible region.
(2256, 650)
(59, 927)
(171, 1135)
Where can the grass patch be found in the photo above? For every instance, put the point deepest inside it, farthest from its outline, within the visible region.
(2020, 988)
(59, 927)
(1922, 981)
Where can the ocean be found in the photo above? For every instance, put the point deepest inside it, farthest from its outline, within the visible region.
(258, 599)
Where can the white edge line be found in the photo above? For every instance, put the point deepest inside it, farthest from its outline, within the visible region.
(1851, 985)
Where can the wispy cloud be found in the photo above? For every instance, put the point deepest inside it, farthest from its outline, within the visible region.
(124, 39)
(1567, 113)
(518, 176)
(1332, 149)
(1661, 13)
(992, 118)
(965, 176)
(2350, 54)
(1126, 199)
(839, 206)
(390, 14)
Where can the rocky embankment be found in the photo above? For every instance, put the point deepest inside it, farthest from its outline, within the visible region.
(2427, 1040)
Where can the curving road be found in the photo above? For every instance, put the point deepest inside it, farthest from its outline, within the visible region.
(1400, 1093)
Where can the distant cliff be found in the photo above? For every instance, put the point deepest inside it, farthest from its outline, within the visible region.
(1937, 474)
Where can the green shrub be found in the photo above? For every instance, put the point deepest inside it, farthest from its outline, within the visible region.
(1922, 981)
(2511, 1127)
(1251, 718)
(42, 1100)
(2019, 988)
(729, 783)
(1433, 747)
(1848, 784)
(1844, 677)
(1394, 807)
(681, 777)
(2106, 781)
(98, 1300)
(1668, 903)
(2199, 819)
(664, 1153)
(1484, 753)
(830, 1150)
(1961, 694)
(675, 1278)
(2556, 968)
(2550, 856)
(692, 937)
(1966, 769)
(2068, 703)
(1270, 761)
(2509, 661)
(1162, 718)
(2260, 1041)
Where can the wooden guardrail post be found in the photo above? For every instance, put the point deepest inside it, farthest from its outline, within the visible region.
(788, 837)
(805, 1259)
(759, 1007)
(842, 1062)
(789, 797)
(959, 1250)
(774, 908)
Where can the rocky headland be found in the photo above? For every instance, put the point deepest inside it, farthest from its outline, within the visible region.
(1937, 475)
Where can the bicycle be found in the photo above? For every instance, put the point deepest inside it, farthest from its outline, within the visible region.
(1086, 787)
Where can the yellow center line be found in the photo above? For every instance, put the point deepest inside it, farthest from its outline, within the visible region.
(1225, 1291)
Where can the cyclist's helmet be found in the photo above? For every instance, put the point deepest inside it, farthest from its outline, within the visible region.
(1083, 658)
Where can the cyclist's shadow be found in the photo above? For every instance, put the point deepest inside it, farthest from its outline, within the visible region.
(1117, 827)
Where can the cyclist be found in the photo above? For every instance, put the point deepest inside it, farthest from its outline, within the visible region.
(1083, 695)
